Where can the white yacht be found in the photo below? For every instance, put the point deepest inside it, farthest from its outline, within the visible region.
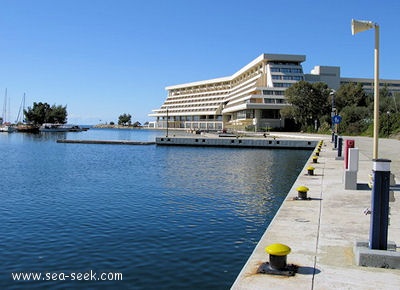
(50, 127)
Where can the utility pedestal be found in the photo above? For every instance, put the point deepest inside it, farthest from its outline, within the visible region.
(378, 251)
(380, 204)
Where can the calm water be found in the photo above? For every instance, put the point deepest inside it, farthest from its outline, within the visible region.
(164, 217)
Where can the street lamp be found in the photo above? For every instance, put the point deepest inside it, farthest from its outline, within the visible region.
(359, 26)
(381, 167)
(333, 112)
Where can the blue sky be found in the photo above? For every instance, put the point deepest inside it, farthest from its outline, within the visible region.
(103, 58)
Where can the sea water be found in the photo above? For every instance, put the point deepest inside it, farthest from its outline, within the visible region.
(148, 217)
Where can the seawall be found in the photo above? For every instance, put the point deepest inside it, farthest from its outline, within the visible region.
(109, 142)
(237, 142)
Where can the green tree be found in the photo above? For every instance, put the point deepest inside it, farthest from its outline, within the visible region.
(350, 94)
(389, 121)
(41, 113)
(57, 114)
(387, 101)
(355, 120)
(124, 119)
(309, 103)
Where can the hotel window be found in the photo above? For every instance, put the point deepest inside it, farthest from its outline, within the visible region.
(293, 78)
(270, 114)
(282, 85)
(241, 115)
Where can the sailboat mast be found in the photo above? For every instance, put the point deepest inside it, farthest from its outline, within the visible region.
(9, 110)
(20, 116)
(5, 107)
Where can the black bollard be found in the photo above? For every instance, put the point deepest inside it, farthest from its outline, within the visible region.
(340, 147)
(336, 141)
(380, 204)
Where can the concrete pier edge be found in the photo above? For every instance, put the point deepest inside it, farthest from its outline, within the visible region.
(237, 142)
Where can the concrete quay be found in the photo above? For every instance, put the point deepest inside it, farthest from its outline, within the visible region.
(109, 142)
(323, 230)
(242, 142)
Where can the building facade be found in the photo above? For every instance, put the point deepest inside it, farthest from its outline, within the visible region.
(249, 99)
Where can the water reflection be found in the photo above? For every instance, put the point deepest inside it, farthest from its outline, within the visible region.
(255, 181)
(142, 210)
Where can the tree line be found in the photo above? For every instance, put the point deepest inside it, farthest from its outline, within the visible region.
(313, 104)
(41, 113)
(126, 120)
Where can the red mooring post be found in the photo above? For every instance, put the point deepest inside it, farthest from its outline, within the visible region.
(349, 144)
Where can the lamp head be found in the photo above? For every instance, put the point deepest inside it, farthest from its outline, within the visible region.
(361, 25)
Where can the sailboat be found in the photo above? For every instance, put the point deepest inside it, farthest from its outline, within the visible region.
(22, 126)
(4, 125)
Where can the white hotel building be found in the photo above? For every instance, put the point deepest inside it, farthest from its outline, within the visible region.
(253, 96)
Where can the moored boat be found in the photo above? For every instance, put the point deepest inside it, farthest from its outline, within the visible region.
(75, 128)
(27, 128)
(50, 127)
(7, 128)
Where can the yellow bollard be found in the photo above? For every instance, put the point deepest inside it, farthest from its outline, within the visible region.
(277, 264)
(310, 170)
(278, 256)
(302, 192)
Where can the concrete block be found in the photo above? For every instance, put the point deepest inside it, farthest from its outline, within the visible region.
(392, 179)
(364, 256)
(350, 180)
(392, 198)
(353, 159)
(391, 246)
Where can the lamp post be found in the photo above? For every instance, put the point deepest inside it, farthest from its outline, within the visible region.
(333, 112)
(381, 167)
(359, 26)
(388, 123)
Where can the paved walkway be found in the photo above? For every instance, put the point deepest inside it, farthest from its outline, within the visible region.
(322, 231)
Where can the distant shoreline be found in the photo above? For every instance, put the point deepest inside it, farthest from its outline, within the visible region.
(108, 126)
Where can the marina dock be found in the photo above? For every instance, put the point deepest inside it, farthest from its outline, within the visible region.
(238, 142)
(110, 142)
(323, 230)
